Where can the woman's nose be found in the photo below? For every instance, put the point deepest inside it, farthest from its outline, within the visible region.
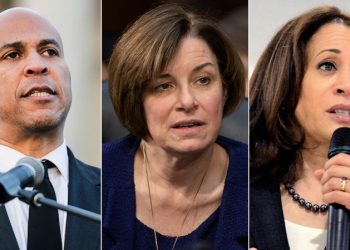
(186, 100)
(343, 83)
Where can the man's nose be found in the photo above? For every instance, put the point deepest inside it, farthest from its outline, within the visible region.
(35, 65)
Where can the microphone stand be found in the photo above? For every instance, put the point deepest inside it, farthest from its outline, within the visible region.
(37, 199)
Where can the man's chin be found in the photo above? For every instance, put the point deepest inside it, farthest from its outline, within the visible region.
(43, 122)
(44, 126)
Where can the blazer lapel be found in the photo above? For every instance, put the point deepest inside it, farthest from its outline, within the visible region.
(266, 218)
(7, 237)
(83, 192)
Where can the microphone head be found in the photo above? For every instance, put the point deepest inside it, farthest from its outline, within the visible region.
(340, 142)
(35, 166)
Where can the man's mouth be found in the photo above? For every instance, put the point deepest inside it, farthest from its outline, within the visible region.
(39, 92)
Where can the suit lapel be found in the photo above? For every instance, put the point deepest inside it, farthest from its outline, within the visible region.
(83, 192)
(7, 237)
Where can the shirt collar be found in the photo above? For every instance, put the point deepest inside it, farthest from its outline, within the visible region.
(59, 156)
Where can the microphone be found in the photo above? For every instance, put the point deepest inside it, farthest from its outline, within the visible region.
(338, 216)
(28, 172)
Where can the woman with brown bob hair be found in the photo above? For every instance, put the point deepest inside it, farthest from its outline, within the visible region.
(174, 182)
(299, 95)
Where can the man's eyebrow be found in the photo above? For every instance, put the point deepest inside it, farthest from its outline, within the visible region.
(14, 45)
(45, 42)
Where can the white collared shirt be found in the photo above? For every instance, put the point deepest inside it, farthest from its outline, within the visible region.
(17, 210)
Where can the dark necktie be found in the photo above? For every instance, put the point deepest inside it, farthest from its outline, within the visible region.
(43, 225)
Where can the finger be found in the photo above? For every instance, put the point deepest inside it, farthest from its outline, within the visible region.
(335, 171)
(338, 197)
(339, 159)
(319, 173)
(335, 184)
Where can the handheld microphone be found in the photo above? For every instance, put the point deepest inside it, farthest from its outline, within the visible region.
(28, 172)
(338, 216)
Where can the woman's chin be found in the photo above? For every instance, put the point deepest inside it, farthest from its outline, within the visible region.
(189, 145)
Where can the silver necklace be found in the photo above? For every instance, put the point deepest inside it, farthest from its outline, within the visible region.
(146, 165)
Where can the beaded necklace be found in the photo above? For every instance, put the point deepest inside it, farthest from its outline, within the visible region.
(302, 202)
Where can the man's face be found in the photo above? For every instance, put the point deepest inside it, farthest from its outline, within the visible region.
(35, 93)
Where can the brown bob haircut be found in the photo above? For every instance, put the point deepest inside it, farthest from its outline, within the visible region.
(146, 48)
(276, 137)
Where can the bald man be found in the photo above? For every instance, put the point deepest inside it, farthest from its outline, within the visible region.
(35, 97)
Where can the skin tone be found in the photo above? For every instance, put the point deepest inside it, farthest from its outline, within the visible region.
(183, 109)
(324, 105)
(35, 88)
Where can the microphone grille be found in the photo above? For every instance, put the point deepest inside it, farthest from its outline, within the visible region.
(36, 166)
(340, 142)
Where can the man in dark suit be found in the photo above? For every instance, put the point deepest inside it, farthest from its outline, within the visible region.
(35, 97)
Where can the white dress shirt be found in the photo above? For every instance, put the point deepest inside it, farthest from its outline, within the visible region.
(17, 210)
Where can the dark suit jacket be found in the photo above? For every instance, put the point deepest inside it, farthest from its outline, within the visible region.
(267, 228)
(83, 192)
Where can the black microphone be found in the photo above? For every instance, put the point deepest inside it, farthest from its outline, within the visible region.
(28, 172)
(338, 216)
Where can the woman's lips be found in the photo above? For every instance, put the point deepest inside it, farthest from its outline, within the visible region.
(340, 112)
(188, 126)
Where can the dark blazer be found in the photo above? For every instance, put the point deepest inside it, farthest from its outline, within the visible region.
(83, 192)
(267, 228)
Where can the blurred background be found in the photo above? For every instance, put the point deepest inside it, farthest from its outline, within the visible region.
(117, 15)
(263, 26)
(78, 23)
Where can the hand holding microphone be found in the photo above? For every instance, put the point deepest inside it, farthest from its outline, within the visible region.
(334, 180)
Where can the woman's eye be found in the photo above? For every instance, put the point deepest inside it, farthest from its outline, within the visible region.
(327, 66)
(163, 87)
(12, 55)
(50, 52)
(203, 81)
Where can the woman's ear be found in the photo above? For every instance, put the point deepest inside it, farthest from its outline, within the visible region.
(225, 95)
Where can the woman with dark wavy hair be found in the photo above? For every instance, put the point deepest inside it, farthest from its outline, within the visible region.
(300, 93)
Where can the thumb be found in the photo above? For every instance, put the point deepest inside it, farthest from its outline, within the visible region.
(318, 173)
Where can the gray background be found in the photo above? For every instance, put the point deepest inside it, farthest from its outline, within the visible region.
(268, 16)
